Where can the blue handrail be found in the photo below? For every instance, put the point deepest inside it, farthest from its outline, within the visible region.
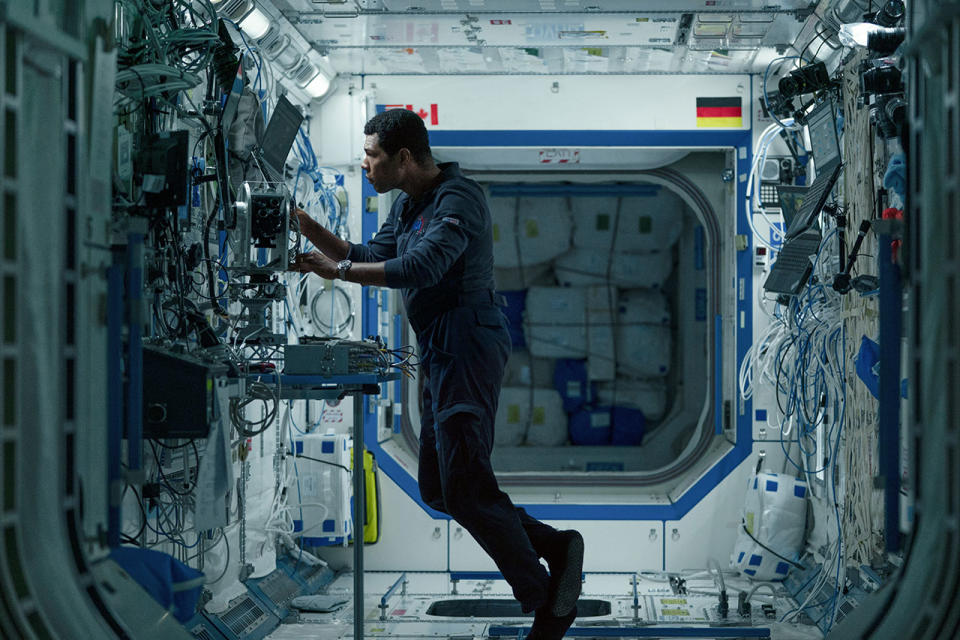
(383, 600)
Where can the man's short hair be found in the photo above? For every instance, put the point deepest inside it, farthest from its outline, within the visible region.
(400, 128)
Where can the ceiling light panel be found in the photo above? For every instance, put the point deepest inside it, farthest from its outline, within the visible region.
(525, 6)
(518, 30)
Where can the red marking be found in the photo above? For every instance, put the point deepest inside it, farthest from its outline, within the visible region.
(434, 117)
(387, 107)
(398, 612)
(895, 214)
(501, 22)
(423, 114)
(719, 112)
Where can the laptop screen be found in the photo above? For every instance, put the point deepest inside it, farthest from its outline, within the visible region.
(229, 113)
(280, 134)
(822, 126)
(791, 199)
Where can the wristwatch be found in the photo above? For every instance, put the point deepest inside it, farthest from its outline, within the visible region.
(342, 267)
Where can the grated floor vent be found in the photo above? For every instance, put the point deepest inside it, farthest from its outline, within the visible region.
(502, 608)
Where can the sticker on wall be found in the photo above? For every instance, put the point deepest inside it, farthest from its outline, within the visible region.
(559, 156)
(719, 112)
(430, 117)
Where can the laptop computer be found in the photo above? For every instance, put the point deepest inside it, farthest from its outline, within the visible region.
(278, 138)
(793, 265)
(790, 199)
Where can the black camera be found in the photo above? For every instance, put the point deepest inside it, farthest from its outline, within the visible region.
(879, 77)
(889, 113)
(807, 79)
(890, 14)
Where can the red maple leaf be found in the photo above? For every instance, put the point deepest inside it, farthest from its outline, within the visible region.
(423, 113)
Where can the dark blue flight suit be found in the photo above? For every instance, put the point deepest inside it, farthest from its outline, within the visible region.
(439, 250)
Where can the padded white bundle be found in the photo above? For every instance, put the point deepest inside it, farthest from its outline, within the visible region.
(775, 514)
(643, 334)
(322, 492)
(649, 396)
(555, 322)
(525, 370)
(523, 277)
(601, 315)
(643, 223)
(529, 231)
(579, 267)
(541, 409)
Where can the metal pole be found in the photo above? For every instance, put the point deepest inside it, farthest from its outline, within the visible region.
(359, 503)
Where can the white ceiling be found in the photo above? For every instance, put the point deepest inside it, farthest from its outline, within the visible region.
(549, 36)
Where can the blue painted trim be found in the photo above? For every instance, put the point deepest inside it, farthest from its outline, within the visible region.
(653, 631)
(571, 138)
(135, 351)
(744, 334)
(888, 414)
(718, 375)
(663, 538)
(115, 278)
(581, 190)
(737, 139)
(398, 385)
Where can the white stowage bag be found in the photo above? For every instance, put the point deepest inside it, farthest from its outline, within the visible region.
(524, 370)
(643, 334)
(320, 492)
(579, 267)
(775, 514)
(529, 230)
(601, 317)
(523, 277)
(643, 223)
(541, 409)
(555, 322)
(649, 396)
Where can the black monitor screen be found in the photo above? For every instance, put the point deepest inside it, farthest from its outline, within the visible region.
(229, 113)
(791, 199)
(280, 133)
(823, 136)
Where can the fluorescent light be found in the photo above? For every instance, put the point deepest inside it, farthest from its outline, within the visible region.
(319, 86)
(255, 24)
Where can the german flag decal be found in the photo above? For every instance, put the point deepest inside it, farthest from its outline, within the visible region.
(719, 112)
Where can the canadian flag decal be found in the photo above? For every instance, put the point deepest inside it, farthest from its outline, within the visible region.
(432, 114)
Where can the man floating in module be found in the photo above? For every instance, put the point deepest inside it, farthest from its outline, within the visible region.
(436, 245)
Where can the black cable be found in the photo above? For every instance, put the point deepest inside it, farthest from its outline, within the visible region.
(332, 464)
(143, 522)
(211, 280)
(176, 446)
(798, 566)
(163, 476)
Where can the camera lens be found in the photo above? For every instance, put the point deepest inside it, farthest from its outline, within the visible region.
(885, 79)
(790, 86)
(890, 14)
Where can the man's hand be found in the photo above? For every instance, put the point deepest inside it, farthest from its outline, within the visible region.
(315, 262)
(300, 217)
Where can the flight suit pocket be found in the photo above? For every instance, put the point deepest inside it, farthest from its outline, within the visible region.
(489, 317)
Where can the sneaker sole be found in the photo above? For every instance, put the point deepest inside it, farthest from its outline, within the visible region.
(569, 583)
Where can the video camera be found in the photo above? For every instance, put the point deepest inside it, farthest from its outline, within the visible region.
(882, 80)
